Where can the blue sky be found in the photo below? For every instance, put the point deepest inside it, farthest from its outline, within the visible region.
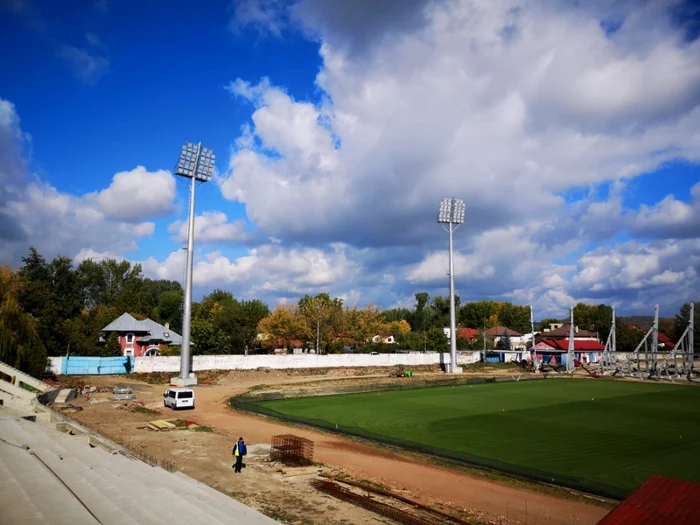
(337, 129)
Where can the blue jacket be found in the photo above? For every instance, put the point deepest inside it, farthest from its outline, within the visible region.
(243, 449)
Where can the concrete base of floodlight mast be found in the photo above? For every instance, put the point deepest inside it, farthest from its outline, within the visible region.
(188, 381)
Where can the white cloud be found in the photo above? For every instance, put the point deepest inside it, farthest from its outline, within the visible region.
(211, 227)
(267, 270)
(88, 63)
(136, 194)
(514, 107)
(33, 212)
(420, 117)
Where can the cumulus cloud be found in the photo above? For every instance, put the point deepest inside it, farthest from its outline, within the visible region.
(136, 194)
(211, 227)
(266, 271)
(34, 212)
(514, 107)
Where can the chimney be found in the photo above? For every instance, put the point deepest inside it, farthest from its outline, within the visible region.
(167, 326)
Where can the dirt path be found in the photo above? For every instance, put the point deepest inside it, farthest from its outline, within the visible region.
(422, 480)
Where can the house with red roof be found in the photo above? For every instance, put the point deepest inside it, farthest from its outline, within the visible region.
(552, 350)
(563, 330)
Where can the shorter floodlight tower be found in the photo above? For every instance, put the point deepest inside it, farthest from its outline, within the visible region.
(532, 331)
(570, 354)
(452, 214)
(197, 164)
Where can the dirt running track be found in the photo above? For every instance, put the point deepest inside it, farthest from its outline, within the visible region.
(424, 481)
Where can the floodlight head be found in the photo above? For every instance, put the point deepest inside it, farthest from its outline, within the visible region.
(451, 211)
(445, 212)
(195, 162)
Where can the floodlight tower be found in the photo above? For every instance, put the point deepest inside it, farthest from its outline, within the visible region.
(197, 164)
(570, 354)
(532, 331)
(452, 214)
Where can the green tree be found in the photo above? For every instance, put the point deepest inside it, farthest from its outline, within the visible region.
(596, 318)
(246, 317)
(436, 339)
(545, 323)
(681, 323)
(20, 344)
(169, 309)
(627, 339)
(504, 342)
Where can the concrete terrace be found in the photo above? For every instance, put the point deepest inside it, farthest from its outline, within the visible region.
(47, 476)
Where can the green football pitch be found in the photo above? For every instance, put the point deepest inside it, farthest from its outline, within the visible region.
(602, 436)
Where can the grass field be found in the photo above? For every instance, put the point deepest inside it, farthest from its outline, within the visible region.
(606, 437)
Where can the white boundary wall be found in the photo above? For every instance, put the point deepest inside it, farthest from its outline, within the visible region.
(280, 362)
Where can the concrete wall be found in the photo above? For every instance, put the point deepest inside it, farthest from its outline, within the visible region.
(251, 362)
(58, 365)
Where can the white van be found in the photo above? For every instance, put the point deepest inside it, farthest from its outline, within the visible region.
(178, 398)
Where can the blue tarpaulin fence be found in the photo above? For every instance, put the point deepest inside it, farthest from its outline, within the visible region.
(77, 365)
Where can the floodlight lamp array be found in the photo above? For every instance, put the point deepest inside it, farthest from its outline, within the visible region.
(196, 163)
(451, 211)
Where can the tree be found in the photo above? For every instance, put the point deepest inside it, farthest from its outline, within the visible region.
(545, 323)
(681, 323)
(421, 315)
(436, 339)
(504, 342)
(282, 327)
(323, 316)
(596, 318)
(20, 344)
(246, 317)
(627, 339)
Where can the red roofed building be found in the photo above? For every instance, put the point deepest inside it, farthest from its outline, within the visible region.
(659, 501)
(580, 345)
(552, 350)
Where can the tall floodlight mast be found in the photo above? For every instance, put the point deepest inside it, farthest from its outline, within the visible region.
(197, 164)
(452, 214)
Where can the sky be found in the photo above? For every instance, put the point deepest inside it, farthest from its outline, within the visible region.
(571, 130)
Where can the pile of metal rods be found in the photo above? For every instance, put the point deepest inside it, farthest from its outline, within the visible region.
(415, 514)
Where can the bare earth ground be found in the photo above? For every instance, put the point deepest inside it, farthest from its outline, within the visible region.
(206, 456)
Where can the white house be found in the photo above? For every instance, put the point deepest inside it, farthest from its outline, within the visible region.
(387, 339)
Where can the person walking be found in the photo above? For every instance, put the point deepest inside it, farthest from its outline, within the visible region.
(239, 450)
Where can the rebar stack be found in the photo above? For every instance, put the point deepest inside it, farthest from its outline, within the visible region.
(292, 450)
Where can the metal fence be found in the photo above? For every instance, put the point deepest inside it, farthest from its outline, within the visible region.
(79, 365)
(256, 404)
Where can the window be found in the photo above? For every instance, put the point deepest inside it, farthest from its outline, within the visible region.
(129, 339)
(129, 352)
(171, 393)
(185, 395)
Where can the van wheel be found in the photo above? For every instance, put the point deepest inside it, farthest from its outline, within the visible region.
(165, 404)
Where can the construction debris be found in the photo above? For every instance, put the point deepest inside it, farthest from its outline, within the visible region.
(65, 395)
(123, 398)
(161, 425)
(385, 503)
(122, 389)
(299, 471)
